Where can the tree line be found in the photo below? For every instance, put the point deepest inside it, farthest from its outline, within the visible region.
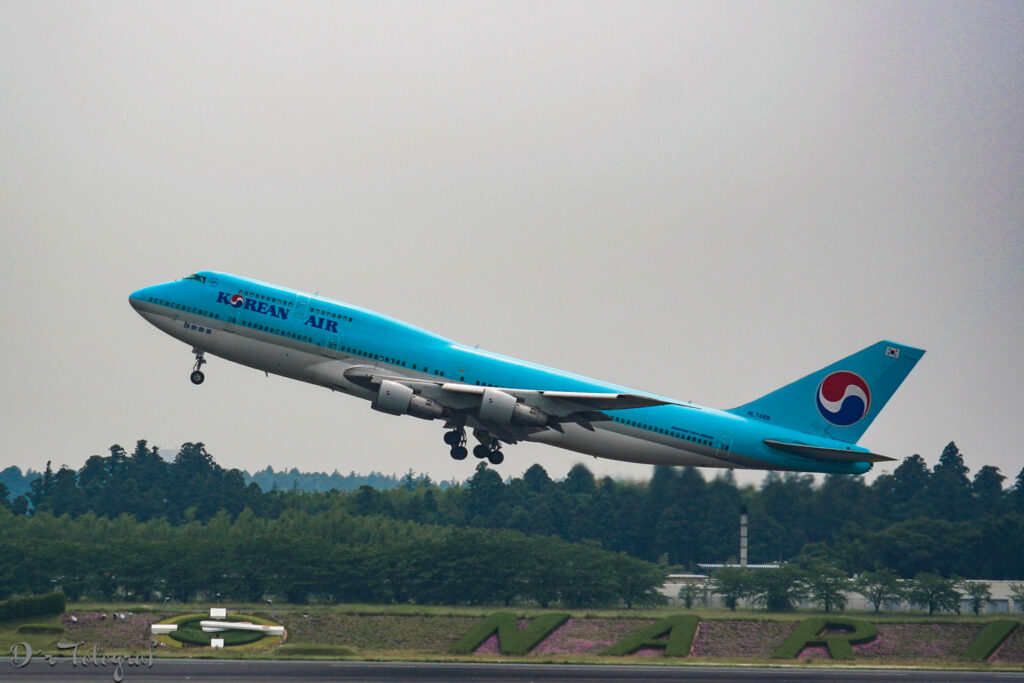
(913, 520)
(269, 480)
(812, 576)
(328, 556)
(17, 483)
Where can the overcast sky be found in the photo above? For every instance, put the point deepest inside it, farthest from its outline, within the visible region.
(706, 200)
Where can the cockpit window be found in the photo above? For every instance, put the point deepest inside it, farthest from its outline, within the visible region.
(195, 276)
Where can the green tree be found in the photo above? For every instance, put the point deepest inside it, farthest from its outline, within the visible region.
(934, 592)
(879, 587)
(485, 492)
(732, 584)
(779, 589)
(949, 489)
(39, 489)
(1016, 495)
(827, 585)
(1017, 592)
(637, 583)
(987, 489)
(536, 479)
(579, 480)
(979, 593)
(899, 495)
(688, 594)
(787, 499)
(682, 530)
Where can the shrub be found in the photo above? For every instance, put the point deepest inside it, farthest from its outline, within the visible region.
(41, 629)
(34, 605)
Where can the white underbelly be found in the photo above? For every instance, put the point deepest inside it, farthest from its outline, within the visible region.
(613, 442)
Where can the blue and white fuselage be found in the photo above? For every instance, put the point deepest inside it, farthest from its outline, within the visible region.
(811, 425)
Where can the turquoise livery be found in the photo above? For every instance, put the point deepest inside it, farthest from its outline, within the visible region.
(811, 425)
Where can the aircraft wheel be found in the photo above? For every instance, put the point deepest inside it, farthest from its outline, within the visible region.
(453, 437)
(481, 451)
(496, 457)
(459, 452)
(197, 377)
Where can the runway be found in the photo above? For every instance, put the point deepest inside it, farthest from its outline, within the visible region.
(242, 671)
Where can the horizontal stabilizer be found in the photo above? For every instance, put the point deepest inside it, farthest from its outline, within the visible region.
(827, 454)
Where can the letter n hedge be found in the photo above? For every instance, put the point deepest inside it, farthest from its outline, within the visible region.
(511, 640)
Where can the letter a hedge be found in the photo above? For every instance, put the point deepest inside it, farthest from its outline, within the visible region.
(840, 645)
(990, 638)
(511, 640)
(680, 628)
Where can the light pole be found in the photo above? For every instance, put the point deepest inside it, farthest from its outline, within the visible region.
(271, 603)
(218, 599)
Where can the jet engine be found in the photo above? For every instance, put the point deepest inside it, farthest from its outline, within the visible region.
(398, 399)
(497, 406)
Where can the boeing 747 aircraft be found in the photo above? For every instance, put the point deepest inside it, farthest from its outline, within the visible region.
(811, 425)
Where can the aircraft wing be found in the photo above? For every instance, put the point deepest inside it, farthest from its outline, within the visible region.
(827, 454)
(559, 401)
(469, 404)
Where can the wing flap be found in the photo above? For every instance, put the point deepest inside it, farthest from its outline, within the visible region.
(827, 454)
(578, 407)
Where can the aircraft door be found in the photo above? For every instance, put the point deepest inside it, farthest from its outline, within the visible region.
(301, 304)
(723, 447)
(231, 318)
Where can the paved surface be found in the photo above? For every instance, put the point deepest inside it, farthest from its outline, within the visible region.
(249, 670)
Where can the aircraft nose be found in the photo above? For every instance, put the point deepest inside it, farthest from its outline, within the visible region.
(137, 297)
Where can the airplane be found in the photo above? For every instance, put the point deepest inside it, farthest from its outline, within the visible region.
(810, 425)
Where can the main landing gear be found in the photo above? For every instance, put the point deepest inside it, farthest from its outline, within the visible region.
(489, 447)
(457, 440)
(197, 375)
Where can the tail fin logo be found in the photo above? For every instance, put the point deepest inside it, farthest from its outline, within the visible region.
(843, 398)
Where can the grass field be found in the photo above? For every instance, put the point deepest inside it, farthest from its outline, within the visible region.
(416, 632)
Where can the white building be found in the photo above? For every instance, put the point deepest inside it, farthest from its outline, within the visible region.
(1002, 598)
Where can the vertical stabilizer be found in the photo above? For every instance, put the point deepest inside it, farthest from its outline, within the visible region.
(841, 400)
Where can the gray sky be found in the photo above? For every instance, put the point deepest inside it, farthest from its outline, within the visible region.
(703, 200)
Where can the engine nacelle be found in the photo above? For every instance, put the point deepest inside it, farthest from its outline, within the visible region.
(497, 406)
(398, 399)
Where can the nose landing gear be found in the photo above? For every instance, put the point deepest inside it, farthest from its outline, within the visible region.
(197, 375)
